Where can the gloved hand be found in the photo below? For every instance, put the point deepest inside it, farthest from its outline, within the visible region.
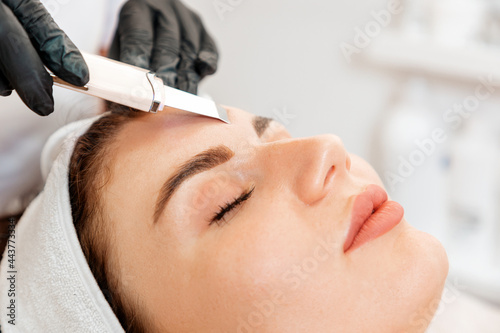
(29, 39)
(167, 38)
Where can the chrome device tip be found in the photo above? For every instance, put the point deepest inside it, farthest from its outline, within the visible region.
(222, 114)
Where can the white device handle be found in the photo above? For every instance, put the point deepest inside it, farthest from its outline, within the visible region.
(120, 83)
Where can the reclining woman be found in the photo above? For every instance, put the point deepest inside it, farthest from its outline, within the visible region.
(171, 222)
(192, 225)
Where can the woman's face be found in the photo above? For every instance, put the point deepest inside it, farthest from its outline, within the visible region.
(241, 228)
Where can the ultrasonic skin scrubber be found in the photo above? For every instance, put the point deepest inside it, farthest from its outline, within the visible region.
(139, 88)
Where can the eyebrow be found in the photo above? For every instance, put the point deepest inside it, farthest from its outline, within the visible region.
(201, 162)
(260, 124)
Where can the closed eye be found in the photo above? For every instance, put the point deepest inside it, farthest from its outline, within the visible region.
(225, 209)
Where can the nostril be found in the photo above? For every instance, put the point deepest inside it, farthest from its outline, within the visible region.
(329, 175)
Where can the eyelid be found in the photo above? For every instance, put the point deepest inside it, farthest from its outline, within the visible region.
(231, 206)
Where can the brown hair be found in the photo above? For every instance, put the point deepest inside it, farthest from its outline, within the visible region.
(89, 172)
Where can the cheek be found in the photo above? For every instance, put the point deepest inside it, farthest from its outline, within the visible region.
(245, 262)
(274, 261)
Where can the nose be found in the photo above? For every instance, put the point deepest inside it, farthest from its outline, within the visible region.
(310, 165)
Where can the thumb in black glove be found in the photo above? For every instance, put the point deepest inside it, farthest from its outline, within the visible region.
(30, 39)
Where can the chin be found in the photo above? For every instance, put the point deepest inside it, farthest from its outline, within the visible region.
(425, 270)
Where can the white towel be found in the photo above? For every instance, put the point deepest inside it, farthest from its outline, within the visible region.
(52, 289)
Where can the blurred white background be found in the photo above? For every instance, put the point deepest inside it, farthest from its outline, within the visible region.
(278, 55)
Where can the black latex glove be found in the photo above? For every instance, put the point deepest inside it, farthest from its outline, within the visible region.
(29, 38)
(167, 38)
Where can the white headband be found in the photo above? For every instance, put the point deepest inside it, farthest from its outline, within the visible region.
(45, 281)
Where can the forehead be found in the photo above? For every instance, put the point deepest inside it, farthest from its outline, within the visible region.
(172, 136)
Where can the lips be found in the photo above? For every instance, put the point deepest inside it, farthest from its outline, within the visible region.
(372, 216)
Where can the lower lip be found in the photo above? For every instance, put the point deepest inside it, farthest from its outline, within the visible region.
(386, 217)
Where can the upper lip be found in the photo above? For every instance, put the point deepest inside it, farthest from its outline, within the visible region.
(365, 204)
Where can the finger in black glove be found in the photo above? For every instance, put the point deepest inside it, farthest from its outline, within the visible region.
(30, 39)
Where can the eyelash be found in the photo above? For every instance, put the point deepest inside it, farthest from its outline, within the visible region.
(219, 216)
